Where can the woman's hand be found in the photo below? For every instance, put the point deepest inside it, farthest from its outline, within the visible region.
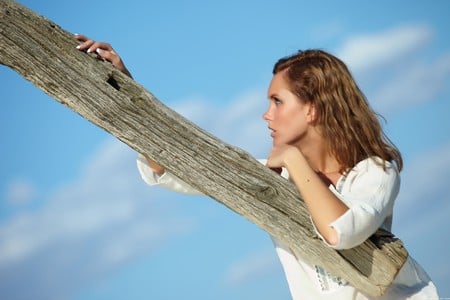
(323, 206)
(106, 52)
(103, 50)
(279, 156)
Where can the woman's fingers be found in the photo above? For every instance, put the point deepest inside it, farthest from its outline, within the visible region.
(86, 42)
(103, 50)
(90, 45)
(99, 45)
(108, 55)
(85, 45)
(81, 37)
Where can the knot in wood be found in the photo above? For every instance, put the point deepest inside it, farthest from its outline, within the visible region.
(266, 192)
(4, 11)
(138, 101)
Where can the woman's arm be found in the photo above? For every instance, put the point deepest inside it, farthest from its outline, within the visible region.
(106, 52)
(348, 217)
(155, 167)
(164, 179)
(323, 206)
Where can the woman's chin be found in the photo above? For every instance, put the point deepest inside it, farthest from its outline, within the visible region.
(277, 142)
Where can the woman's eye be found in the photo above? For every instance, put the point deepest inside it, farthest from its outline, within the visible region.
(277, 101)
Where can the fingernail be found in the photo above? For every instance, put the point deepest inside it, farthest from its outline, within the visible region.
(89, 50)
(78, 47)
(99, 51)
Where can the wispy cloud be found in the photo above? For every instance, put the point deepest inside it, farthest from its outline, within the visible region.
(239, 122)
(425, 190)
(422, 212)
(382, 48)
(95, 224)
(328, 31)
(414, 83)
(391, 69)
(20, 191)
(251, 268)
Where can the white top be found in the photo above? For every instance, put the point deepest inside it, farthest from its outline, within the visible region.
(369, 192)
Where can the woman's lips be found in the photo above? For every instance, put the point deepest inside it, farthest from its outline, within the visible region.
(273, 132)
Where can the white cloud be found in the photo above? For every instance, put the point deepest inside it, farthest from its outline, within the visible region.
(239, 123)
(425, 191)
(242, 125)
(108, 210)
(20, 191)
(196, 109)
(251, 268)
(327, 31)
(379, 49)
(422, 210)
(412, 84)
(392, 71)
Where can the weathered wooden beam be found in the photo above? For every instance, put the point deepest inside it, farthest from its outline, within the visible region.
(45, 54)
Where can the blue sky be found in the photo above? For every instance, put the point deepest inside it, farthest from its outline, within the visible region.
(76, 220)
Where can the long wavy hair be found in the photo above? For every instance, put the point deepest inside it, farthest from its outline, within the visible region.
(350, 127)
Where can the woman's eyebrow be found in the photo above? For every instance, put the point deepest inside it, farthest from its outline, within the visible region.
(273, 96)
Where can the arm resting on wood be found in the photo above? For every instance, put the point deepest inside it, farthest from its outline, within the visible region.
(164, 179)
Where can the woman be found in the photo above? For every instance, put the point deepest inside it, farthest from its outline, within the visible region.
(328, 141)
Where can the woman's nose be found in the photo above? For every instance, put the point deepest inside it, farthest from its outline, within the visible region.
(267, 116)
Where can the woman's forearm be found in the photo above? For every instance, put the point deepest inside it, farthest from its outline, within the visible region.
(323, 206)
(155, 167)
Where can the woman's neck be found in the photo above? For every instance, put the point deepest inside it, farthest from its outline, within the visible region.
(316, 152)
(319, 158)
(326, 166)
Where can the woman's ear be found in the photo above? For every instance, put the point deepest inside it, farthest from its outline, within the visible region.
(311, 115)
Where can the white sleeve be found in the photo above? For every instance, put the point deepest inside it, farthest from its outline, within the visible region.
(370, 196)
(166, 179)
(169, 180)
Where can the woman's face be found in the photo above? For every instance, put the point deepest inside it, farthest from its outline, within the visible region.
(287, 116)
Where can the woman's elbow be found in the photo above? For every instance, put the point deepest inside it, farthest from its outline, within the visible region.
(338, 242)
(331, 237)
(333, 241)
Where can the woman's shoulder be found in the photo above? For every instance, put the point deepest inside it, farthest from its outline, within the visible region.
(374, 170)
(371, 179)
(374, 164)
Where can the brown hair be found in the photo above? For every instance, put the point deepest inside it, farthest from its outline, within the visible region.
(349, 126)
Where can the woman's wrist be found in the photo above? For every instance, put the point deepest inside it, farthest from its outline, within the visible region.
(293, 159)
(154, 166)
